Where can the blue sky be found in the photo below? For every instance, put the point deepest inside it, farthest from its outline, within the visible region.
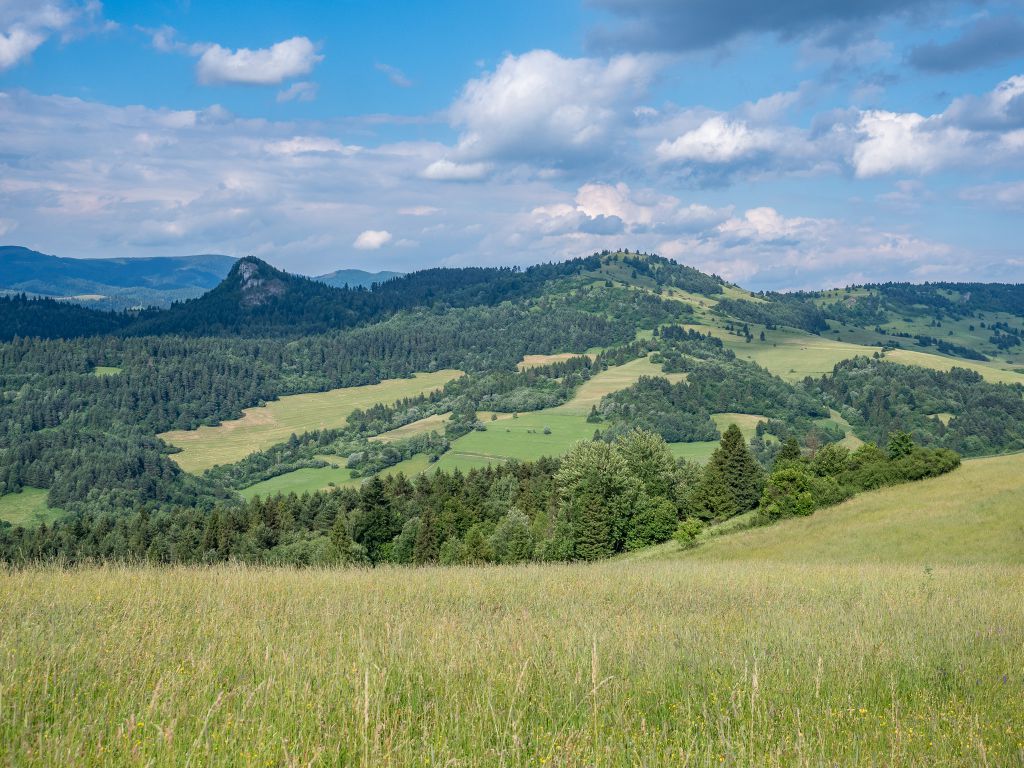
(783, 145)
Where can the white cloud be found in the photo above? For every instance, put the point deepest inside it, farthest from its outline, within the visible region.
(264, 66)
(1006, 195)
(892, 142)
(27, 24)
(300, 91)
(448, 170)
(974, 130)
(372, 239)
(298, 145)
(541, 107)
(419, 210)
(718, 140)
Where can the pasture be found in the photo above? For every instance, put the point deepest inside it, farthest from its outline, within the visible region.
(548, 432)
(304, 480)
(273, 423)
(28, 508)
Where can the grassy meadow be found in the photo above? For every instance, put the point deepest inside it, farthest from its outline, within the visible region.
(793, 355)
(28, 508)
(974, 515)
(273, 423)
(303, 480)
(656, 662)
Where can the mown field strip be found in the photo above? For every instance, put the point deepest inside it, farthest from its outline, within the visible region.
(262, 427)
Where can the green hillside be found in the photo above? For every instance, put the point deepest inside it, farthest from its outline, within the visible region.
(974, 515)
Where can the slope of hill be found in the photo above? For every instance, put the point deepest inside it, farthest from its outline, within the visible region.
(977, 321)
(356, 278)
(975, 514)
(116, 283)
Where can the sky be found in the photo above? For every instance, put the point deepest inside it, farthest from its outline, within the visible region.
(786, 145)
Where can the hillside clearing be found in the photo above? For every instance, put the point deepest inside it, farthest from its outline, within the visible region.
(28, 508)
(304, 480)
(422, 426)
(262, 427)
(524, 437)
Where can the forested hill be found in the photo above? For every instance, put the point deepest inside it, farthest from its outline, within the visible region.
(255, 299)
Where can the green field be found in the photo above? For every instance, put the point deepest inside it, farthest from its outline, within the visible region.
(523, 437)
(304, 480)
(433, 423)
(973, 515)
(262, 427)
(883, 632)
(793, 354)
(28, 508)
(105, 370)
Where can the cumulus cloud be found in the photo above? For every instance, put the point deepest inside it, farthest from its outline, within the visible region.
(372, 239)
(27, 24)
(977, 130)
(542, 108)
(893, 142)
(218, 65)
(264, 66)
(987, 41)
(719, 140)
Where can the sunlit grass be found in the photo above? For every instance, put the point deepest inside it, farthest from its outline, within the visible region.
(627, 663)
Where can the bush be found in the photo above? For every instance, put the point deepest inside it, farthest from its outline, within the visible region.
(687, 532)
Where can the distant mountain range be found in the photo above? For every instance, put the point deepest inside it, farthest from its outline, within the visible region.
(356, 278)
(123, 283)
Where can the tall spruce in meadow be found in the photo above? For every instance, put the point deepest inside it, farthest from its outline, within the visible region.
(732, 481)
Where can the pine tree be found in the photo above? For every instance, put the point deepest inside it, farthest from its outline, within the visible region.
(732, 480)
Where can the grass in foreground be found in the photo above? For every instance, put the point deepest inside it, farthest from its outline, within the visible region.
(28, 508)
(262, 427)
(626, 663)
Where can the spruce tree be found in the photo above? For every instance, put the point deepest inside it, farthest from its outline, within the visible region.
(733, 479)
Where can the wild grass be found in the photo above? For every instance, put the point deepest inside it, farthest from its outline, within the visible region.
(262, 427)
(821, 641)
(628, 663)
